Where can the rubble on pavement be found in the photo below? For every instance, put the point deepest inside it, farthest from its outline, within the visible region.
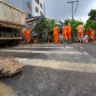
(9, 66)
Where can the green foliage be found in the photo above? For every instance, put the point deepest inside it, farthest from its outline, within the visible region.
(91, 22)
(92, 15)
(46, 26)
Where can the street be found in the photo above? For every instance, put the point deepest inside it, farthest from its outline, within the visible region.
(53, 70)
(47, 50)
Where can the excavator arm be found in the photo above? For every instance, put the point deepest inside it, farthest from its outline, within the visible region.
(35, 21)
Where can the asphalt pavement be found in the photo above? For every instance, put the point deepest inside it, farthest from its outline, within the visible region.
(90, 48)
(53, 70)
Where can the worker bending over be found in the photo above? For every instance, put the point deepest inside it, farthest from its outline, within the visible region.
(56, 35)
(80, 30)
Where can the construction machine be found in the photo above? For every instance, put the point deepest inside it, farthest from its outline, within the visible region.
(34, 22)
(12, 20)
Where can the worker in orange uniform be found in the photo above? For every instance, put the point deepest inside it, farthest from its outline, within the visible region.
(49, 38)
(69, 29)
(89, 33)
(27, 35)
(56, 34)
(80, 30)
(64, 32)
(93, 36)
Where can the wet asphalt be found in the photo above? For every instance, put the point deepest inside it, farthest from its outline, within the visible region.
(39, 81)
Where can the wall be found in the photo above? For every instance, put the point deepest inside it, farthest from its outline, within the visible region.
(34, 13)
(41, 9)
(26, 8)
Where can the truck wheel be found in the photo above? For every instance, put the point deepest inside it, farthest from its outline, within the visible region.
(14, 43)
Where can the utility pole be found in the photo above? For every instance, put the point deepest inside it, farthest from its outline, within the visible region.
(72, 2)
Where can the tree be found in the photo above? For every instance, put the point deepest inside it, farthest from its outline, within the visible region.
(91, 22)
(46, 27)
(92, 15)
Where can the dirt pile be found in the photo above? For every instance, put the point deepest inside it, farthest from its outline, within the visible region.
(9, 66)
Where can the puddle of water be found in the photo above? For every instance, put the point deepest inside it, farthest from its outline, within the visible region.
(6, 90)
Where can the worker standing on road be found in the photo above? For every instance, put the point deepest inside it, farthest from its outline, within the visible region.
(64, 32)
(68, 28)
(89, 33)
(56, 34)
(93, 36)
(27, 35)
(80, 30)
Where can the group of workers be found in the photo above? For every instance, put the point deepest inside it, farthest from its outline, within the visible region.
(67, 33)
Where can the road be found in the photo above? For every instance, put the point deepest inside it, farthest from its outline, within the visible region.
(91, 49)
(52, 70)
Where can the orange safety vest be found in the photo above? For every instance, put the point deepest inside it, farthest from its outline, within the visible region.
(27, 34)
(69, 32)
(56, 35)
(64, 29)
(80, 30)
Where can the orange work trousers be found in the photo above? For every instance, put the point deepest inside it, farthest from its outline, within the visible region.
(27, 38)
(69, 35)
(56, 38)
(80, 34)
(65, 35)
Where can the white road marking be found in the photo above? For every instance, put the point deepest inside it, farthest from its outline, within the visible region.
(43, 47)
(68, 47)
(85, 53)
(45, 52)
(59, 65)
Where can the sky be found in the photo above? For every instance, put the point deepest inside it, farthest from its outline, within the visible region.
(60, 9)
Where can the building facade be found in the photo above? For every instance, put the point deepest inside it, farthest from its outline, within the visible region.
(37, 8)
(31, 7)
(25, 5)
